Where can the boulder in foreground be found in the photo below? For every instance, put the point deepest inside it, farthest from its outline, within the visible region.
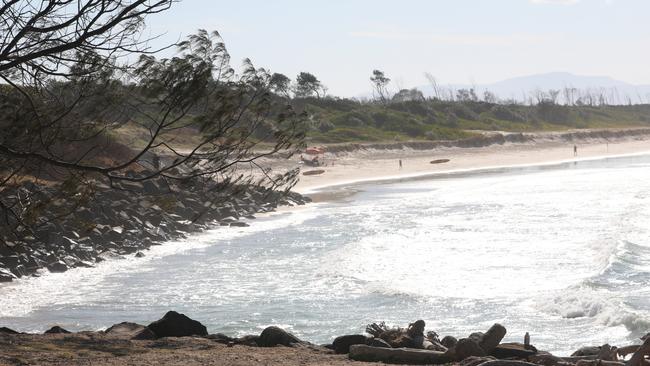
(342, 344)
(174, 324)
(274, 336)
(56, 330)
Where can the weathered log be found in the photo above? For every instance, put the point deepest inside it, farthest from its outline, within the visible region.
(638, 358)
(507, 363)
(599, 363)
(492, 338)
(624, 351)
(574, 359)
(545, 358)
(510, 350)
(398, 355)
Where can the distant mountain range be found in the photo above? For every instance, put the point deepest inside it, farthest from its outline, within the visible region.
(523, 87)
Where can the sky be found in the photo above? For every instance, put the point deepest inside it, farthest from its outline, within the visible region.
(457, 41)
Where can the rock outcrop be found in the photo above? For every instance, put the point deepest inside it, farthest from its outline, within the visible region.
(174, 324)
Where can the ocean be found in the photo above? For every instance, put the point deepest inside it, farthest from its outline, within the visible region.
(560, 251)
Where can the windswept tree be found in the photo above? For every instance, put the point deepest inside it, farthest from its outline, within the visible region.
(380, 84)
(73, 98)
(280, 84)
(435, 87)
(307, 85)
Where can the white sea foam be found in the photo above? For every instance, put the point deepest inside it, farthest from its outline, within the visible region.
(560, 252)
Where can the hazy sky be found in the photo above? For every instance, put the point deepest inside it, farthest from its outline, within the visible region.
(458, 41)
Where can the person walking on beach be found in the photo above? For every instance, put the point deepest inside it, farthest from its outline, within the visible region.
(400, 163)
(575, 150)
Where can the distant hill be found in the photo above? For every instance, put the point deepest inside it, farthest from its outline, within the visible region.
(515, 88)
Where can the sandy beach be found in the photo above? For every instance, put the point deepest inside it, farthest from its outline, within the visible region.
(373, 164)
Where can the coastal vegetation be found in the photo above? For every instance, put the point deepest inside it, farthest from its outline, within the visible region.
(78, 76)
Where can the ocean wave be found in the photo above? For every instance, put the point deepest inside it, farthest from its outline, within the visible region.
(600, 306)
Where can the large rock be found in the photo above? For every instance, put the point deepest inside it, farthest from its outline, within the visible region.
(342, 344)
(449, 341)
(6, 276)
(273, 336)
(57, 267)
(124, 330)
(6, 330)
(56, 330)
(174, 324)
(145, 334)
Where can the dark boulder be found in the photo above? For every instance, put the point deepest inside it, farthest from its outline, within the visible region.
(56, 330)
(449, 341)
(144, 334)
(6, 276)
(124, 330)
(139, 255)
(6, 330)
(273, 336)
(57, 267)
(174, 324)
(342, 344)
(249, 340)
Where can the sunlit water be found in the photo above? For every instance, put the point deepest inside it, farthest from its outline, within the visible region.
(562, 252)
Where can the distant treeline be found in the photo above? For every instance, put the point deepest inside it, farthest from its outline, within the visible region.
(447, 114)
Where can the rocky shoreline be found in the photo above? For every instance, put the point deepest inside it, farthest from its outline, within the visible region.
(178, 339)
(124, 220)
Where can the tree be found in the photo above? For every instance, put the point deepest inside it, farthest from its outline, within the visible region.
(489, 97)
(434, 85)
(380, 83)
(466, 95)
(308, 85)
(280, 84)
(72, 87)
(408, 95)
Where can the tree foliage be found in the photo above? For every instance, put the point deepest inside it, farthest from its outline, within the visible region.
(72, 97)
(380, 83)
(307, 85)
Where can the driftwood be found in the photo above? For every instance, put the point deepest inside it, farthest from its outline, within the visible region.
(439, 161)
(624, 351)
(314, 172)
(507, 363)
(376, 329)
(599, 363)
(492, 338)
(638, 358)
(398, 355)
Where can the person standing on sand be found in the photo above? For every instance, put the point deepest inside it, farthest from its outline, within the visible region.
(400, 163)
(575, 150)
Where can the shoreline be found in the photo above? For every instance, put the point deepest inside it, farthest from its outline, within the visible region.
(373, 166)
(176, 339)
